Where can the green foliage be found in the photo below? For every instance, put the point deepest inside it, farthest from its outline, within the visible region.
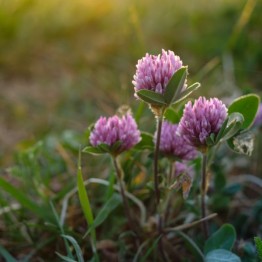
(105, 211)
(26, 202)
(192, 246)
(171, 115)
(242, 139)
(6, 255)
(77, 248)
(246, 105)
(175, 85)
(224, 238)
(103, 149)
(186, 93)
(85, 204)
(258, 243)
(146, 142)
(151, 249)
(230, 127)
(221, 255)
(151, 97)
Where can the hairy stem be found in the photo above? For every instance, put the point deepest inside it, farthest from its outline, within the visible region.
(203, 194)
(156, 182)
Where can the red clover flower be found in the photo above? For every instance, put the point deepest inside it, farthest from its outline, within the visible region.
(154, 72)
(201, 119)
(115, 129)
(174, 145)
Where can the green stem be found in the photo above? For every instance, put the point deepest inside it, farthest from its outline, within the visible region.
(203, 194)
(156, 182)
(122, 192)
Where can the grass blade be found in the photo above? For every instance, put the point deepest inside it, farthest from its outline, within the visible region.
(69, 253)
(85, 203)
(76, 247)
(67, 259)
(149, 251)
(192, 246)
(105, 211)
(6, 255)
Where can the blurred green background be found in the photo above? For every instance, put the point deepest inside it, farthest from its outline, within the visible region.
(64, 63)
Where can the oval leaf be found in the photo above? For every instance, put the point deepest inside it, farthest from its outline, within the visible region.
(175, 85)
(246, 105)
(93, 150)
(223, 238)
(151, 97)
(221, 255)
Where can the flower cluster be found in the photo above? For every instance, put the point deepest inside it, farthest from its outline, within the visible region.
(174, 145)
(201, 119)
(154, 72)
(114, 129)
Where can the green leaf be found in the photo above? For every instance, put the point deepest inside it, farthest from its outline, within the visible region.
(183, 95)
(105, 211)
(221, 255)
(234, 124)
(258, 243)
(104, 147)
(76, 247)
(151, 97)
(93, 150)
(221, 131)
(246, 105)
(17, 194)
(172, 116)
(175, 85)
(223, 238)
(146, 142)
(6, 255)
(232, 189)
(211, 140)
(85, 203)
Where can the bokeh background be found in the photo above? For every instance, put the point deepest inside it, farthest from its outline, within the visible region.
(64, 63)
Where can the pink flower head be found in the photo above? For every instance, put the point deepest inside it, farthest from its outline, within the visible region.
(202, 119)
(173, 144)
(154, 72)
(114, 129)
